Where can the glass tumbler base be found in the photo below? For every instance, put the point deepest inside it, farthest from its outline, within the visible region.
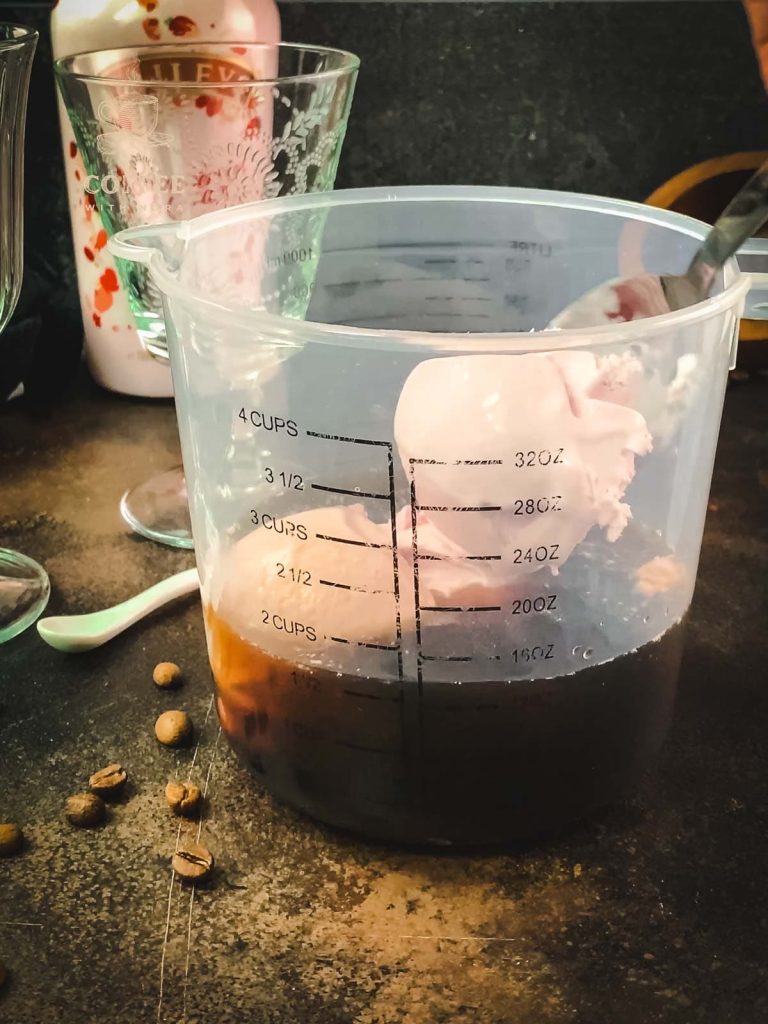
(157, 509)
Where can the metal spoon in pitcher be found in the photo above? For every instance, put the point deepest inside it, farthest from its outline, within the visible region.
(634, 298)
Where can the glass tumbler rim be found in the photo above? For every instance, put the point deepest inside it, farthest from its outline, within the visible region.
(349, 63)
(22, 35)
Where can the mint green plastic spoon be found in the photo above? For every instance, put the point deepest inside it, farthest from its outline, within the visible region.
(77, 633)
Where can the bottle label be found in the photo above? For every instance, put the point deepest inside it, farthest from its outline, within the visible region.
(181, 67)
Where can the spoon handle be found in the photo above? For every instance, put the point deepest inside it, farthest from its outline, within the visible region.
(76, 633)
(746, 212)
(154, 597)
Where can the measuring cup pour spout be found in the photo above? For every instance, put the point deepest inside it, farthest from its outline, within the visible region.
(141, 244)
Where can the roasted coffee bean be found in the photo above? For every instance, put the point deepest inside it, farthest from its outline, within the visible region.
(174, 728)
(85, 810)
(192, 862)
(183, 798)
(11, 839)
(167, 675)
(109, 781)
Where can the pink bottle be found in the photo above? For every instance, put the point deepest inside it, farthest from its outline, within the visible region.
(113, 352)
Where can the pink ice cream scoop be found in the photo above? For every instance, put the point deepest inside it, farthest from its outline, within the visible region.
(632, 298)
(513, 459)
(294, 584)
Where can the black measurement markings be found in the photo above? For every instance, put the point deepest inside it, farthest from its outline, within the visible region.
(406, 280)
(344, 285)
(342, 288)
(357, 590)
(362, 643)
(395, 567)
(346, 490)
(349, 440)
(390, 497)
(396, 699)
(458, 657)
(416, 598)
(460, 608)
(356, 543)
(458, 508)
(446, 657)
(460, 558)
(421, 657)
(454, 298)
(456, 462)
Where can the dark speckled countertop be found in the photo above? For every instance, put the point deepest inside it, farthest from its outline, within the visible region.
(656, 912)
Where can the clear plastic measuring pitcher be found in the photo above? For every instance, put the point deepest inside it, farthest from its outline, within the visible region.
(446, 555)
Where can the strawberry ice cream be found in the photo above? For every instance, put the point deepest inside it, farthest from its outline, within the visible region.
(292, 592)
(521, 455)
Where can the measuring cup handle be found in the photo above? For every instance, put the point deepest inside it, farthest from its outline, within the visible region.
(140, 244)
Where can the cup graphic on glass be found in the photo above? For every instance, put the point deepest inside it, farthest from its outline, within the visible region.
(133, 117)
(169, 132)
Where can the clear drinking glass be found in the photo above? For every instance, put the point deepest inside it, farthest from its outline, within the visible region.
(171, 132)
(24, 586)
